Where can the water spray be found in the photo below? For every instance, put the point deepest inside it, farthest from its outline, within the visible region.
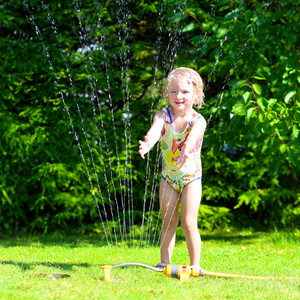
(183, 272)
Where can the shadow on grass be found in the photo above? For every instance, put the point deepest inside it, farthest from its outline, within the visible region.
(25, 266)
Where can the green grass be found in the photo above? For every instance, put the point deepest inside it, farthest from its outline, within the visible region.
(26, 266)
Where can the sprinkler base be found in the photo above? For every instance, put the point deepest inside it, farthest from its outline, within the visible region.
(107, 273)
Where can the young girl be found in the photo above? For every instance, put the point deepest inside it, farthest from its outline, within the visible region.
(180, 129)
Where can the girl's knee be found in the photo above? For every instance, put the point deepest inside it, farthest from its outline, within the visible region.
(189, 226)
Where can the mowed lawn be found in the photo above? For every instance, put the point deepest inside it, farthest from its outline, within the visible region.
(28, 267)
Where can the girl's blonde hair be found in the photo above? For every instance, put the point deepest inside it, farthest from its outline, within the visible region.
(191, 76)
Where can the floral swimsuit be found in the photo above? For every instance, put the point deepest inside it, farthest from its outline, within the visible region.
(171, 144)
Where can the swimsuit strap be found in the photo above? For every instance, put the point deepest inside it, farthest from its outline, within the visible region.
(167, 114)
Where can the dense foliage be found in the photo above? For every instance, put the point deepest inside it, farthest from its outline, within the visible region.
(79, 84)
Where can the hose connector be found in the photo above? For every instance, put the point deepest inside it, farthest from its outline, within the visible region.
(183, 272)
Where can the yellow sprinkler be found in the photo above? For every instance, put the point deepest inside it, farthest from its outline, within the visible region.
(183, 272)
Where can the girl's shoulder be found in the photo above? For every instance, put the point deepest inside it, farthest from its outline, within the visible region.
(198, 121)
(161, 113)
(194, 116)
(197, 115)
(165, 110)
(160, 116)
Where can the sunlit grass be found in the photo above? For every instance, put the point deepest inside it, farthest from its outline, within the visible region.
(27, 265)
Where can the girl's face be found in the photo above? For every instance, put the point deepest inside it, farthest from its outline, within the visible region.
(181, 94)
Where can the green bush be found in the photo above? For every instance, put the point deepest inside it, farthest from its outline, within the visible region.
(80, 82)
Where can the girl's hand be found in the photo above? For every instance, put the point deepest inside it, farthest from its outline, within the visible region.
(144, 147)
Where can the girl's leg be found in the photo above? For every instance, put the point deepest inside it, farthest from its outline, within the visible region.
(169, 201)
(190, 202)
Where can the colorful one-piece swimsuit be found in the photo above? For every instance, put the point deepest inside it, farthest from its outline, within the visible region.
(171, 144)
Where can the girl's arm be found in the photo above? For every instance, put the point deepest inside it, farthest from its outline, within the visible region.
(153, 134)
(195, 135)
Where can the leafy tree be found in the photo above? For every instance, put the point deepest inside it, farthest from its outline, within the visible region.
(80, 82)
(253, 138)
